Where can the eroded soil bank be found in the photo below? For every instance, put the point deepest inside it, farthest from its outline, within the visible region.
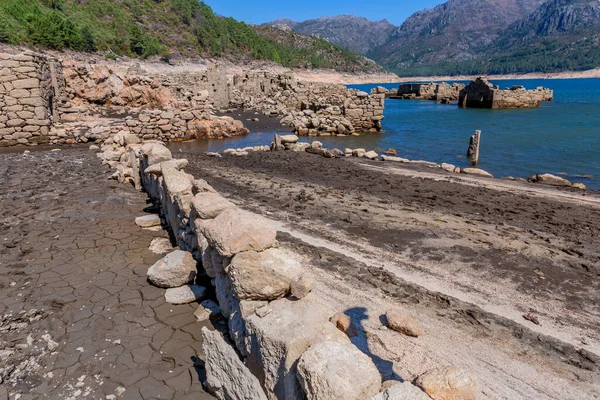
(505, 275)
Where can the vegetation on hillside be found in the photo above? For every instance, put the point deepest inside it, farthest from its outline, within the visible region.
(144, 28)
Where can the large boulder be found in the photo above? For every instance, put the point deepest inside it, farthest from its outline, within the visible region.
(208, 205)
(448, 384)
(155, 153)
(235, 231)
(265, 275)
(175, 269)
(337, 370)
(401, 391)
(226, 376)
(277, 336)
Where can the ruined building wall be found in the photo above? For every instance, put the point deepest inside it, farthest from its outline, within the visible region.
(31, 93)
(309, 107)
(43, 100)
(482, 94)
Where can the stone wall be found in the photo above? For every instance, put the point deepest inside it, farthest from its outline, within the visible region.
(31, 95)
(46, 101)
(441, 92)
(281, 331)
(480, 93)
(310, 107)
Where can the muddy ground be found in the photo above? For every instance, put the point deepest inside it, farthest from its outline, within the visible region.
(491, 259)
(77, 317)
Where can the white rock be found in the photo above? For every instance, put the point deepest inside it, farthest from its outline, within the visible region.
(395, 159)
(148, 221)
(226, 376)
(235, 231)
(277, 339)
(289, 139)
(155, 153)
(476, 171)
(263, 275)
(371, 155)
(208, 205)
(337, 370)
(448, 384)
(185, 294)
(160, 246)
(175, 269)
(448, 167)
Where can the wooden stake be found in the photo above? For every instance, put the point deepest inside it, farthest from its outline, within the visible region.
(473, 152)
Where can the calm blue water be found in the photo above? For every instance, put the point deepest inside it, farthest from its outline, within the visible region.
(562, 137)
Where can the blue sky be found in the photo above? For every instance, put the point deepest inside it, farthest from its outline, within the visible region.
(259, 11)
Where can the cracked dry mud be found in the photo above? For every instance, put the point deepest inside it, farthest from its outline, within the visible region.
(469, 257)
(77, 317)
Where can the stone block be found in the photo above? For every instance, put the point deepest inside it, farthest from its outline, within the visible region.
(28, 83)
(226, 376)
(278, 335)
(174, 270)
(337, 370)
(265, 275)
(208, 205)
(235, 231)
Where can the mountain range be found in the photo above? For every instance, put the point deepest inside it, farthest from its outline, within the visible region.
(473, 36)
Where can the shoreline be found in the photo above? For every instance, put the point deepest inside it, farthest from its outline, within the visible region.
(589, 74)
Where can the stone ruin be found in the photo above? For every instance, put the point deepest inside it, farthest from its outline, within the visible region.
(315, 109)
(43, 100)
(32, 94)
(441, 92)
(480, 93)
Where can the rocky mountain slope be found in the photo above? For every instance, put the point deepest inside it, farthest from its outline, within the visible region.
(348, 31)
(168, 28)
(454, 31)
(474, 37)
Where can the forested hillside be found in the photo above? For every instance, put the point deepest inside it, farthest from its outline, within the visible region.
(143, 28)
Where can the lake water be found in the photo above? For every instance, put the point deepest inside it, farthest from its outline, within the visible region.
(561, 137)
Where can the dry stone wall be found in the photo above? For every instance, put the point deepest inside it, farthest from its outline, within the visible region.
(441, 92)
(43, 100)
(31, 94)
(310, 108)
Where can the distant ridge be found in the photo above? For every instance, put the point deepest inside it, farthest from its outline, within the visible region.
(348, 31)
(473, 37)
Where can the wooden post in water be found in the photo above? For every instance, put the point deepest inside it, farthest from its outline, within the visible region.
(473, 152)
